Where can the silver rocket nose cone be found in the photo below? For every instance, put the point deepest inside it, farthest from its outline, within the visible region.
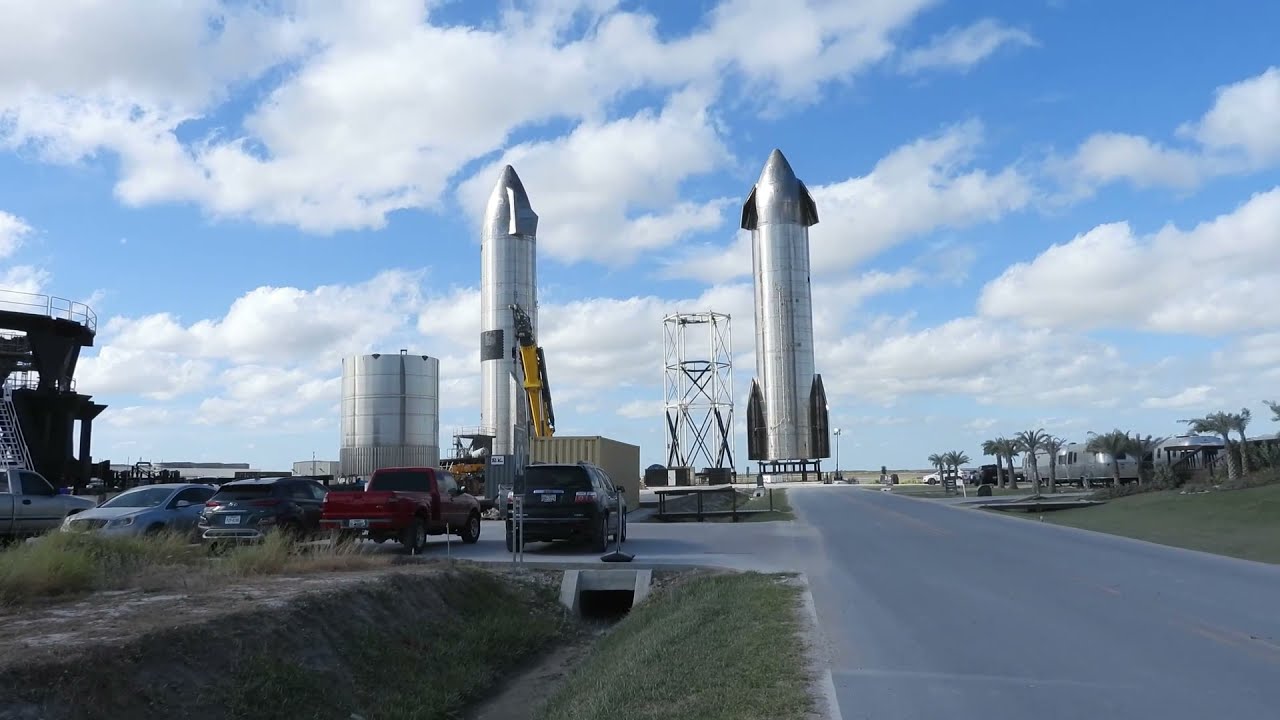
(777, 171)
(509, 211)
(778, 197)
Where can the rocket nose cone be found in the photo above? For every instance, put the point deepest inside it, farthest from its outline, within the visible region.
(777, 171)
(779, 196)
(509, 206)
(510, 188)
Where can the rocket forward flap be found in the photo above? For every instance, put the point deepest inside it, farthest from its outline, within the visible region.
(819, 423)
(808, 208)
(757, 431)
(749, 216)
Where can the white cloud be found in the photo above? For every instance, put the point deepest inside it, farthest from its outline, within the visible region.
(1194, 396)
(642, 409)
(138, 416)
(274, 355)
(1220, 277)
(917, 188)
(980, 425)
(364, 122)
(962, 48)
(973, 357)
(285, 324)
(1245, 116)
(1107, 157)
(608, 191)
(155, 375)
(1239, 133)
(13, 230)
(20, 280)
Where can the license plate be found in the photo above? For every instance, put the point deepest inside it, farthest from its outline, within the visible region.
(357, 523)
(550, 498)
(231, 520)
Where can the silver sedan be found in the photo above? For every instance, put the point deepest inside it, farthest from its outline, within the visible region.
(145, 510)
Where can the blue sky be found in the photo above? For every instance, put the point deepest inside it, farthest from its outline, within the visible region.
(1055, 214)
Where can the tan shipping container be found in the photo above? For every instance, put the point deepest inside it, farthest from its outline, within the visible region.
(621, 461)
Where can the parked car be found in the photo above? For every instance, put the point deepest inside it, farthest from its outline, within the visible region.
(145, 510)
(245, 510)
(406, 505)
(29, 504)
(569, 502)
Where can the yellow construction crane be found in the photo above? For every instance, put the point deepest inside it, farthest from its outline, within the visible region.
(534, 369)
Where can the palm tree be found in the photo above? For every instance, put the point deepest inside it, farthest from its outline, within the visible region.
(1240, 421)
(1115, 443)
(939, 462)
(1145, 446)
(955, 459)
(1222, 425)
(1275, 409)
(994, 447)
(1010, 449)
(1031, 442)
(1053, 445)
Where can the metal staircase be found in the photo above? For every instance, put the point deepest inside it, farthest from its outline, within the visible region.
(13, 448)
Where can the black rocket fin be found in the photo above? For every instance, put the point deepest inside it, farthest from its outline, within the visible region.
(757, 431)
(819, 423)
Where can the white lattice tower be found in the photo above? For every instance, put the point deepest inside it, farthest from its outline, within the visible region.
(698, 389)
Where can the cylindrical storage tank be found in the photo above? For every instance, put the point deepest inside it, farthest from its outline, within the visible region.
(390, 413)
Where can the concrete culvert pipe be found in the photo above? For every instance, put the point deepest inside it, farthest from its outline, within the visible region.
(604, 594)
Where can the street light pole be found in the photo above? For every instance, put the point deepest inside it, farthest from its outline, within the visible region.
(837, 434)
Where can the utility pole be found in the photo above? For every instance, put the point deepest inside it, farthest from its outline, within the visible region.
(836, 432)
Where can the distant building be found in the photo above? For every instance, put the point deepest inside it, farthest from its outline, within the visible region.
(187, 470)
(316, 468)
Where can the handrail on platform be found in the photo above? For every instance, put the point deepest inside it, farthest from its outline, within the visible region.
(49, 306)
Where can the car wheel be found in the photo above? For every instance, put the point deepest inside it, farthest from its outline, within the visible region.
(154, 530)
(601, 539)
(471, 532)
(415, 536)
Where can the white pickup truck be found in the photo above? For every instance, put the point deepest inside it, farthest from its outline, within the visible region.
(29, 505)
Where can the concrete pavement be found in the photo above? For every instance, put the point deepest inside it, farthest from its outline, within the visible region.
(934, 611)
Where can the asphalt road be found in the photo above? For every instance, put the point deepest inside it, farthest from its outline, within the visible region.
(940, 612)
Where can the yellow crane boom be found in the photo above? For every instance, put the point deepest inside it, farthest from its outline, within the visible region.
(533, 367)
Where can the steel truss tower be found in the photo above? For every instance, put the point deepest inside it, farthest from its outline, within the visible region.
(698, 389)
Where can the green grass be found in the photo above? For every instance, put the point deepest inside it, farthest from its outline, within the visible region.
(61, 564)
(456, 646)
(722, 647)
(1239, 523)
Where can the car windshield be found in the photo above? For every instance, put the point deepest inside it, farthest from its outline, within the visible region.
(140, 498)
(556, 478)
(243, 492)
(400, 481)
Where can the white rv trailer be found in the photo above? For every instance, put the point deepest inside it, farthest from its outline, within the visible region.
(1078, 466)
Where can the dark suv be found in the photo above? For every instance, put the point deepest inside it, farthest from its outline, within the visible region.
(244, 510)
(570, 502)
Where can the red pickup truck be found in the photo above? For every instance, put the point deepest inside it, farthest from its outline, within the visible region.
(405, 505)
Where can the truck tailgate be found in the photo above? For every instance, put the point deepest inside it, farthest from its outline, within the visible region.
(343, 505)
